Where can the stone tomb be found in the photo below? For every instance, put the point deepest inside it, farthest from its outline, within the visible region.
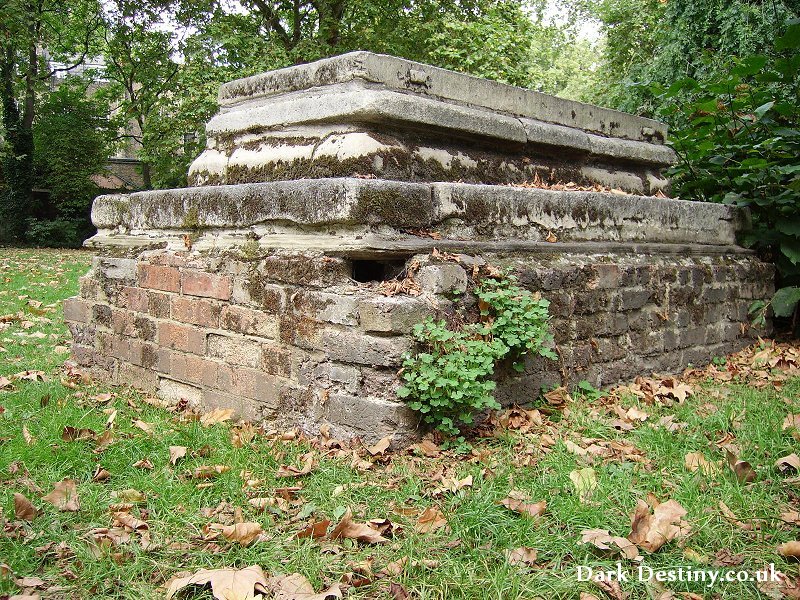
(259, 287)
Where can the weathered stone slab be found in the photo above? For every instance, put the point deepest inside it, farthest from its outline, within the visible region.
(350, 207)
(367, 114)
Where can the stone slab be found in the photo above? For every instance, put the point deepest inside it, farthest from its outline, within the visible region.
(354, 207)
(425, 80)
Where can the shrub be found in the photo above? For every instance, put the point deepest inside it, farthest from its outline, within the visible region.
(738, 138)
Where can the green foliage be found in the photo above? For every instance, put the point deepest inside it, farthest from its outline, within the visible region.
(451, 380)
(739, 143)
(72, 138)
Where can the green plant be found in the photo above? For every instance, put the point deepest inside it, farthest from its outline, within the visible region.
(738, 138)
(451, 379)
(589, 391)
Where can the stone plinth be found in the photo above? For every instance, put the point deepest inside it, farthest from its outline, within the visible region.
(260, 287)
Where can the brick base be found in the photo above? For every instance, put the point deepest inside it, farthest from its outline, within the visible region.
(291, 339)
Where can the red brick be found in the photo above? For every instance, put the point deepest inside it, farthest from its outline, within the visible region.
(197, 312)
(135, 299)
(158, 305)
(181, 337)
(122, 322)
(241, 381)
(248, 321)
(192, 369)
(167, 279)
(198, 283)
(77, 310)
(276, 360)
(111, 344)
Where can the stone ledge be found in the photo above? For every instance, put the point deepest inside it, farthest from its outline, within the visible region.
(456, 211)
(426, 80)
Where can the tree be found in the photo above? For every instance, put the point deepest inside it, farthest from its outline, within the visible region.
(72, 139)
(27, 27)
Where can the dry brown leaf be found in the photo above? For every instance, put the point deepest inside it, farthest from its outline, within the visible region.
(361, 532)
(244, 533)
(226, 584)
(209, 471)
(790, 550)
(651, 531)
(218, 415)
(292, 471)
(64, 497)
(23, 509)
(297, 587)
(741, 468)
(602, 539)
(145, 463)
(695, 461)
(517, 501)
(176, 453)
(381, 446)
(430, 520)
(789, 462)
(315, 530)
(522, 556)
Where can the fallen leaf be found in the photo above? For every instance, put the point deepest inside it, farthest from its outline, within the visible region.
(522, 556)
(144, 464)
(244, 533)
(64, 496)
(695, 461)
(297, 587)
(602, 539)
(292, 471)
(226, 584)
(791, 461)
(651, 531)
(71, 434)
(23, 509)
(610, 587)
(517, 502)
(731, 517)
(430, 520)
(585, 482)
(381, 446)
(361, 532)
(741, 468)
(218, 415)
(790, 516)
(176, 453)
(790, 550)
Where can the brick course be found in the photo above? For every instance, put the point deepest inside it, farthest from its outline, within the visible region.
(272, 344)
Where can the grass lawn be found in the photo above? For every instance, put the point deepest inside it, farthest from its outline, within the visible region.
(143, 520)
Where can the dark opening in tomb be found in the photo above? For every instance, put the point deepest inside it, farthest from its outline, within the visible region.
(365, 271)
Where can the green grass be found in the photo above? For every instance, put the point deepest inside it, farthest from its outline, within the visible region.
(468, 557)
